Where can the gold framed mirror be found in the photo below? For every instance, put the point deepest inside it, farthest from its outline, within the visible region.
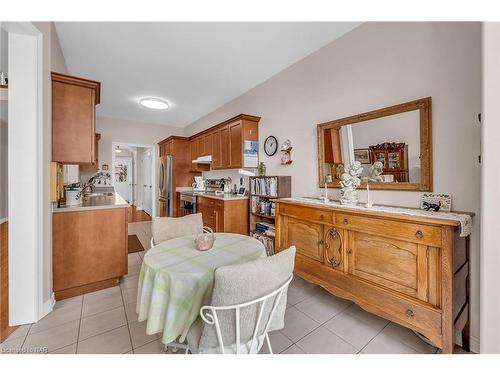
(393, 144)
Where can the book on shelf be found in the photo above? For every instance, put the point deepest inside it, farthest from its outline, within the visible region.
(265, 228)
(262, 206)
(267, 186)
(266, 241)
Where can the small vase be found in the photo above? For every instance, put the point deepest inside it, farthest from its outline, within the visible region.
(261, 170)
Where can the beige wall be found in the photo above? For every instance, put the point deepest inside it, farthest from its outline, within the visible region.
(490, 256)
(374, 66)
(3, 129)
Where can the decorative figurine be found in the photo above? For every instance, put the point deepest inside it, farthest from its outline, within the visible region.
(375, 172)
(349, 182)
(261, 169)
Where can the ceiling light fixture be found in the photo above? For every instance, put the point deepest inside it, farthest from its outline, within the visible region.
(118, 149)
(154, 103)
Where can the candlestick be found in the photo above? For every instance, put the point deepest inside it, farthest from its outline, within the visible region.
(369, 202)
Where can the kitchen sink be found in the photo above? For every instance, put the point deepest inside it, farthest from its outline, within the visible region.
(105, 194)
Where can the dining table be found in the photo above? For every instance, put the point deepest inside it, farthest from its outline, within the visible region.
(176, 280)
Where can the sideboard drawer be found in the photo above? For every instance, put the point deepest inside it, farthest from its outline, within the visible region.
(307, 213)
(412, 232)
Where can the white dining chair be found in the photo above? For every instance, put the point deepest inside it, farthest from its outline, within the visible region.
(248, 302)
(167, 228)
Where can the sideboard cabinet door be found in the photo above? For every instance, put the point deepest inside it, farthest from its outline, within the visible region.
(306, 236)
(397, 265)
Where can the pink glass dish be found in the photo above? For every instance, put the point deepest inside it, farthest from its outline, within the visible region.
(204, 241)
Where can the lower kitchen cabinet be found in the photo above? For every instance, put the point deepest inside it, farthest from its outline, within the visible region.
(89, 250)
(230, 216)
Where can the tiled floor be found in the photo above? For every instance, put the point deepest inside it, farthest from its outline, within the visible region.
(106, 322)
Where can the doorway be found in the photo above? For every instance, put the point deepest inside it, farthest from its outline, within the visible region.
(133, 177)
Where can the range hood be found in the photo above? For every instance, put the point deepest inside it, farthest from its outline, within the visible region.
(203, 160)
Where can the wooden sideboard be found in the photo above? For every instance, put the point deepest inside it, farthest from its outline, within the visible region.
(413, 271)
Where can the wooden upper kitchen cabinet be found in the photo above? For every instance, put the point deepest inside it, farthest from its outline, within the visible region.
(230, 216)
(93, 167)
(216, 149)
(89, 250)
(225, 141)
(225, 149)
(407, 269)
(73, 119)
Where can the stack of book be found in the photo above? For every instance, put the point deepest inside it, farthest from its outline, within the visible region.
(262, 206)
(264, 186)
(265, 228)
(267, 242)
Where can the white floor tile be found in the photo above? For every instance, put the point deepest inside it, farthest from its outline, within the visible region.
(129, 295)
(102, 322)
(112, 342)
(409, 338)
(356, 326)
(132, 316)
(154, 347)
(11, 346)
(134, 259)
(294, 349)
(279, 342)
(139, 336)
(95, 305)
(70, 349)
(62, 314)
(297, 324)
(322, 306)
(53, 338)
(20, 332)
(385, 344)
(322, 341)
(130, 282)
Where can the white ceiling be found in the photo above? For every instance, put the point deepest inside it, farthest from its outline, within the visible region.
(196, 67)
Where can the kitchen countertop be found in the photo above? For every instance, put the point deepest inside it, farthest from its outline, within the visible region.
(212, 195)
(96, 203)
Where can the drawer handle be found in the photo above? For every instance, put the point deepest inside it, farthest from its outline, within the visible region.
(321, 242)
(334, 262)
(345, 221)
(419, 234)
(409, 313)
(349, 251)
(321, 217)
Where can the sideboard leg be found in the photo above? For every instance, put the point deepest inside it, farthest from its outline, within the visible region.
(447, 321)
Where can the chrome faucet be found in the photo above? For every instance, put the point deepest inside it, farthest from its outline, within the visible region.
(88, 185)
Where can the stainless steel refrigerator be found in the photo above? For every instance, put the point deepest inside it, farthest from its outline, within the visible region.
(165, 186)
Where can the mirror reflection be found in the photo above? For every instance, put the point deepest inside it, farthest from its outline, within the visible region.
(388, 148)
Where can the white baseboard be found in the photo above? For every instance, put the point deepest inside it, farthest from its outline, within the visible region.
(48, 306)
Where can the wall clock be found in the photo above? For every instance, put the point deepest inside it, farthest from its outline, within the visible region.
(270, 145)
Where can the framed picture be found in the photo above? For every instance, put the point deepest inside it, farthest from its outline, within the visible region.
(435, 202)
(362, 155)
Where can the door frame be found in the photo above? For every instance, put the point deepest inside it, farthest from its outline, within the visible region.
(126, 159)
(26, 181)
(154, 168)
(151, 156)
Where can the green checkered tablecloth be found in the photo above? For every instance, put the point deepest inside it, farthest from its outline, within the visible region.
(176, 280)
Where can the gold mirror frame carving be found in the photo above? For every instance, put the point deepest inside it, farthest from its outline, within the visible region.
(425, 107)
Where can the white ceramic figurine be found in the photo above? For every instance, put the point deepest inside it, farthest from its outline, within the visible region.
(349, 182)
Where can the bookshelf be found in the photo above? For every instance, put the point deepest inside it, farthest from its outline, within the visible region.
(263, 190)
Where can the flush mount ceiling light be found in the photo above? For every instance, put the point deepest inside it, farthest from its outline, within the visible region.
(118, 149)
(154, 103)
